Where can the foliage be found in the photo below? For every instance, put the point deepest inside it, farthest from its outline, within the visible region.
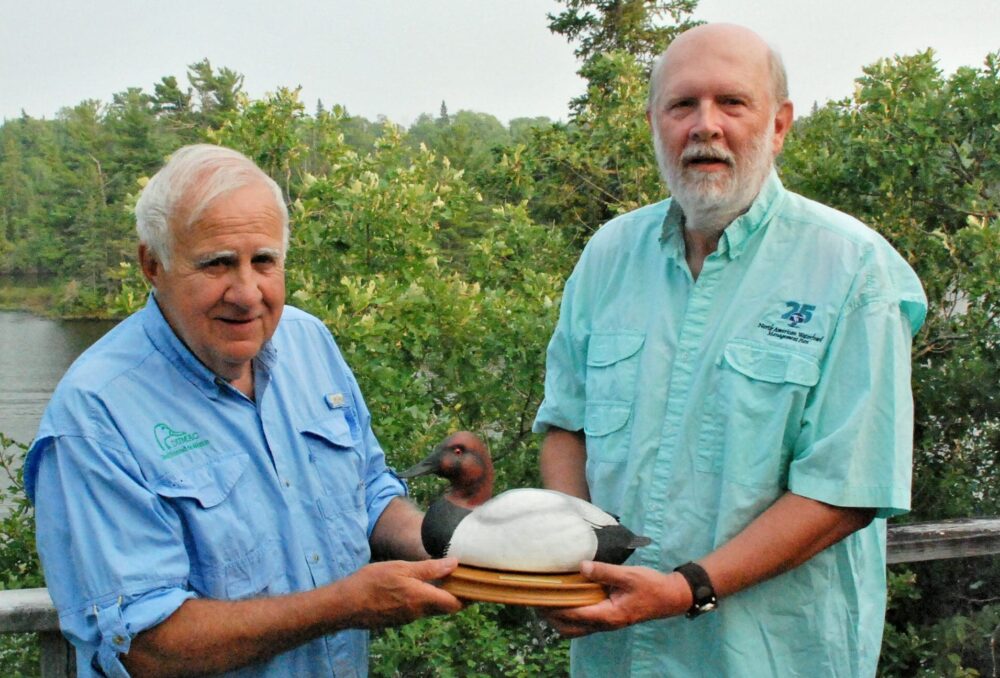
(466, 138)
(930, 643)
(19, 565)
(508, 641)
(580, 175)
(636, 26)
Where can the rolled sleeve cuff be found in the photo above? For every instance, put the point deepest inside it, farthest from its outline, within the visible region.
(118, 623)
(381, 490)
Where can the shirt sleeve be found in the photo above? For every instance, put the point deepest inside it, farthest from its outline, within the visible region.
(382, 485)
(564, 404)
(856, 443)
(93, 516)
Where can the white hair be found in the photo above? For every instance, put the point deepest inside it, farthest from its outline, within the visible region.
(182, 190)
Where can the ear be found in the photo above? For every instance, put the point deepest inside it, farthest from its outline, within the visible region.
(152, 269)
(782, 124)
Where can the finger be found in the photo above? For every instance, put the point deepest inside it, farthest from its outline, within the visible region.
(603, 573)
(430, 570)
(439, 601)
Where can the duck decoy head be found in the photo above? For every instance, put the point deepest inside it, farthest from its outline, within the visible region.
(464, 460)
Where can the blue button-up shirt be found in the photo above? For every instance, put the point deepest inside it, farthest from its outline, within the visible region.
(784, 367)
(154, 481)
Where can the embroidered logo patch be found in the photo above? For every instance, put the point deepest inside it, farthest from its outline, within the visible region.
(173, 443)
(789, 327)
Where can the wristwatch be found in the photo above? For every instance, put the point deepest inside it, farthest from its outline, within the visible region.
(702, 591)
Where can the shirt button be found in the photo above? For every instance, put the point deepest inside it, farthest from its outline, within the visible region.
(315, 557)
(118, 640)
(287, 482)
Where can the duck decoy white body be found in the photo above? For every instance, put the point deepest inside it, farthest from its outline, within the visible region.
(526, 530)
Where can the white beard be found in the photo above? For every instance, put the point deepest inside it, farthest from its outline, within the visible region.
(711, 200)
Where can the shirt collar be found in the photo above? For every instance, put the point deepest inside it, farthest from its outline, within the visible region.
(736, 236)
(173, 349)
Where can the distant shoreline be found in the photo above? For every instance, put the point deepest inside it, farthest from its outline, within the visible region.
(40, 297)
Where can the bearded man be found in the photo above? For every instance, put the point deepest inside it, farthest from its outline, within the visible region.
(730, 375)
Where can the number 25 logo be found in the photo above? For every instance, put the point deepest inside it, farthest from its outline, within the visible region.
(798, 314)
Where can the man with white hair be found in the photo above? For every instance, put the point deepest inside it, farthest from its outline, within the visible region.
(730, 375)
(207, 487)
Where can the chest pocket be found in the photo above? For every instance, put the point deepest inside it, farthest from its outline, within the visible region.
(612, 370)
(336, 459)
(229, 558)
(754, 415)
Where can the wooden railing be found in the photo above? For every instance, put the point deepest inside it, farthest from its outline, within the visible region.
(31, 611)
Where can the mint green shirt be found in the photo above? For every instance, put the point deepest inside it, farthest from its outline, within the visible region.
(784, 367)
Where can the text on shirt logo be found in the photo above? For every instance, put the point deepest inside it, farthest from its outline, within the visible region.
(796, 314)
(173, 443)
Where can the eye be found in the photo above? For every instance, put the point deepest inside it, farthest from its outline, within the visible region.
(458, 450)
(214, 265)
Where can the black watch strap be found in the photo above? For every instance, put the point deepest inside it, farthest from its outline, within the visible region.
(702, 591)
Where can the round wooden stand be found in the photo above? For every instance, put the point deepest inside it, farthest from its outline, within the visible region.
(569, 589)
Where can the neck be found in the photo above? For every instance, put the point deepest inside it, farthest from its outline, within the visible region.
(697, 247)
(702, 229)
(472, 493)
(710, 222)
(244, 383)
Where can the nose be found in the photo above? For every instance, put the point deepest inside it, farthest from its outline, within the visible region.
(706, 125)
(244, 287)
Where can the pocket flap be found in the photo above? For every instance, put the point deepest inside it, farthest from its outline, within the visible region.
(332, 427)
(767, 364)
(208, 484)
(609, 348)
(604, 418)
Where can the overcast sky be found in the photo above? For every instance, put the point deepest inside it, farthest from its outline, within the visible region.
(400, 58)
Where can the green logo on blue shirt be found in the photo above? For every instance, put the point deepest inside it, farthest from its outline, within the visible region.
(173, 443)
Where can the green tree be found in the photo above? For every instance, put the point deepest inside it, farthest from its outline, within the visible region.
(642, 28)
(218, 91)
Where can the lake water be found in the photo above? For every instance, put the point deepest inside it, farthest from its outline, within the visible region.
(34, 354)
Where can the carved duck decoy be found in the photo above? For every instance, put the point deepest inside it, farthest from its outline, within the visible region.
(525, 530)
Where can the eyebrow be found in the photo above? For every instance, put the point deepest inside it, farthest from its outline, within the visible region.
(230, 255)
(215, 256)
(269, 252)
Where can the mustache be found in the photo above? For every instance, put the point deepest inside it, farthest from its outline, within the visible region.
(706, 152)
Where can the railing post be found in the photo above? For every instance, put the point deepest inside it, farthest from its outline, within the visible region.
(58, 659)
(31, 611)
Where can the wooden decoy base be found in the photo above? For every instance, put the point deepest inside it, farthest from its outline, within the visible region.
(570, 589)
